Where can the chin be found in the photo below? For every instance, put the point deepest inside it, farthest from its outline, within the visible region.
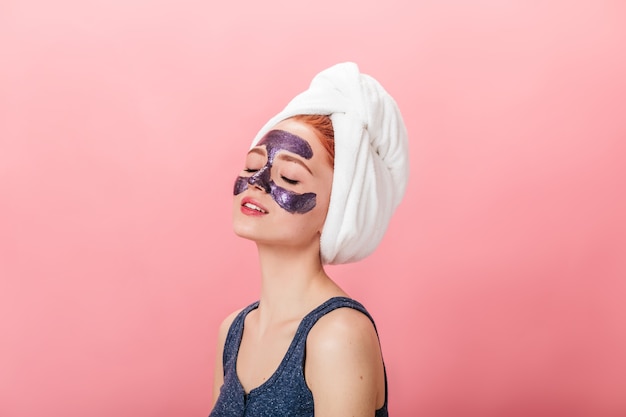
(245, 234)
(242, 230)
(248, 231)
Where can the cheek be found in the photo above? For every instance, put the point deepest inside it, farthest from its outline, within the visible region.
(293, 202)
(322, 204)
(323, 195)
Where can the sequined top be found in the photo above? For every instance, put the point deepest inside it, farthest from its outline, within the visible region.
(285, 393)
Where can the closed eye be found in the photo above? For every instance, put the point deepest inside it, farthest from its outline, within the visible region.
(250, 170)
(289, 180)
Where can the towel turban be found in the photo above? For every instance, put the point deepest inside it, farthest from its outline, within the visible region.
(371, 158)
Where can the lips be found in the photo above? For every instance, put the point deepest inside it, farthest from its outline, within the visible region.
(252, 207)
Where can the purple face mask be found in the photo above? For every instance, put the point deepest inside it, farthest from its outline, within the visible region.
(275, 141)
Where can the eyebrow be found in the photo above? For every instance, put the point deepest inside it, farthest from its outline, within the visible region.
(289, 158)
(257, 150)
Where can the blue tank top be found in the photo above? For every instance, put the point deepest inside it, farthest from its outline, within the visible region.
(285, 393)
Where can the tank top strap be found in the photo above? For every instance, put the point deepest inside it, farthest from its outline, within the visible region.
(331, 304)
(298, 347)
(235, 333)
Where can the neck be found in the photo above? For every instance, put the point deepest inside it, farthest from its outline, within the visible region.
(293, 283)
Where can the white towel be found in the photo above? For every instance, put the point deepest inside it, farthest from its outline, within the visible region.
(371, 158)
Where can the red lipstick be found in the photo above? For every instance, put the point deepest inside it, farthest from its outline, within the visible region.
(252, 207)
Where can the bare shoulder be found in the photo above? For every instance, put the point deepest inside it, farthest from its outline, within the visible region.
(343, 364)
(341, 328)
(226, 323)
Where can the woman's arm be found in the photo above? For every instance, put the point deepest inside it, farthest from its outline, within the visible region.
(218, 374)
(344, 368)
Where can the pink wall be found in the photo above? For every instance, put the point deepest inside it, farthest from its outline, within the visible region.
(499, 290)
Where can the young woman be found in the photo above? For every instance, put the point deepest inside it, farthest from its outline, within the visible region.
(318, 186)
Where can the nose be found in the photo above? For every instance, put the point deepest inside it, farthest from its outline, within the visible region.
(261, 179)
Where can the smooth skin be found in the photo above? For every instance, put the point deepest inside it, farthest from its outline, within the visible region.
(343, 367)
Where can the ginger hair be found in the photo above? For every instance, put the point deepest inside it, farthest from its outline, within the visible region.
(324, 127)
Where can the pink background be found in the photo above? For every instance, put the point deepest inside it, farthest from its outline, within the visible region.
(499, 289)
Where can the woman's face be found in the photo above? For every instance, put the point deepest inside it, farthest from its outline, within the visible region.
(282, 194)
